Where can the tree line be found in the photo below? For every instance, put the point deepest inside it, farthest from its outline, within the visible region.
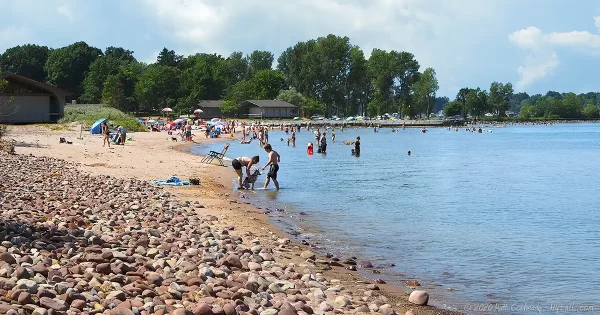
(327, 76)
(501, 100)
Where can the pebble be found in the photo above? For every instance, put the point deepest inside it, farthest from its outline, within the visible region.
(100, 244)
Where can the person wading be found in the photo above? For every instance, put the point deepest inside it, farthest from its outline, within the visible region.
(274, 160)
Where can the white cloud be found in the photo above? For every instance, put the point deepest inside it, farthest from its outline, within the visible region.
(434, 30)
(537, 66)
(527, 38)
(542, 58)
(66, 11)
(12, 36)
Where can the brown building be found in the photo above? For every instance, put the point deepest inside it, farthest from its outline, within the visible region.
(268, 109)
(210, 108)
(24, 100)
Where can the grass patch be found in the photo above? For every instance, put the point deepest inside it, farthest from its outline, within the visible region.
(88, 116)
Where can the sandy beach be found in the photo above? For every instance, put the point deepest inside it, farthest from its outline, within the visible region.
(153, 156)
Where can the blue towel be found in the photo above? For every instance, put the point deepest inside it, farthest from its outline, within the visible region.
(173, 181)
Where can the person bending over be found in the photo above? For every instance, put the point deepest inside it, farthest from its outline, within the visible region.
(243, 161)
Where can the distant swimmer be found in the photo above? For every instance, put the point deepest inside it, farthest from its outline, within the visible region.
(333, 136)
(408, 152)
(246, 142)
(423, 130)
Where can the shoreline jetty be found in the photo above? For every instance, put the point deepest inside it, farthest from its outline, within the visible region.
(86, 238)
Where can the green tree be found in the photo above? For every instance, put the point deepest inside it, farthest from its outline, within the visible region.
(205, 78)
(99, 71)
(293, 97)
(26, 60)
(453, 108)
(67, 67)
(461, 97)
(515, 101)
(314, 107)
(113, 93)
(425, 89)
(359, 88)
(238, 68)
(158, 87)
(267, 84)
(591, 111)
(499, 97)
(528, 111)
(168, 58)
(381, 70)
(259, 60)
(119, 53)
(571, 106)
(477, 102)
(239, 92)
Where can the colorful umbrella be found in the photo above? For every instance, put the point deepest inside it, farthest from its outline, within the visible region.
(166, 109)
(198, 111)
(177, 120)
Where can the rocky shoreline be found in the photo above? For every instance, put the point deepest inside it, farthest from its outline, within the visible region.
(72, 243)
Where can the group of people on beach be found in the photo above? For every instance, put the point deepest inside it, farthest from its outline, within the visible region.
(120, 136)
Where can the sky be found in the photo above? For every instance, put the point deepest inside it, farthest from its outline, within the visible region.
(537, 45)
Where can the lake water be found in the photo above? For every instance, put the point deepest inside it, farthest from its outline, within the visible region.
(500, 222)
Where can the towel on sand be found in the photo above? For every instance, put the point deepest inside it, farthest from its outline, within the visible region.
(173, 181)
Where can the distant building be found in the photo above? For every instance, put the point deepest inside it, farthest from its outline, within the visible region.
(25, 100)
(268, 109)
(210, 108)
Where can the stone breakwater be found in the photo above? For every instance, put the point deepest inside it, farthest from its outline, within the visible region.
(73, 243)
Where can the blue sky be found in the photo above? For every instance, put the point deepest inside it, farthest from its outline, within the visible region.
(538, 45)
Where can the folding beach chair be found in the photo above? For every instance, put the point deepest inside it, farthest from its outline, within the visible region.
(215, 155)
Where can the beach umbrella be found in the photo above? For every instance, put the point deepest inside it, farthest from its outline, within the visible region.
(167, 109)
(177, 120)
(198, 111)
(215, 119)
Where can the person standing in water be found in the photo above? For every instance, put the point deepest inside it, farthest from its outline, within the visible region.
(293, 137)
(274, 160)
(333, 136)
(243, 161)
(323, 143)
(356, 150)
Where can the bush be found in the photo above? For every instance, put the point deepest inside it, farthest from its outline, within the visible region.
(89, 115)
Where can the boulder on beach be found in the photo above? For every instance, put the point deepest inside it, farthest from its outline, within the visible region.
(419, 297)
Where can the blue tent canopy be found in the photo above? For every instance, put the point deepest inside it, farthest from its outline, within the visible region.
(96, 128)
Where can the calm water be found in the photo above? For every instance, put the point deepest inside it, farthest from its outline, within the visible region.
(508, 217)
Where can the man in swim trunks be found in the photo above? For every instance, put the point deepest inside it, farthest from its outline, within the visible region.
(243, 161)
(274, 160)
